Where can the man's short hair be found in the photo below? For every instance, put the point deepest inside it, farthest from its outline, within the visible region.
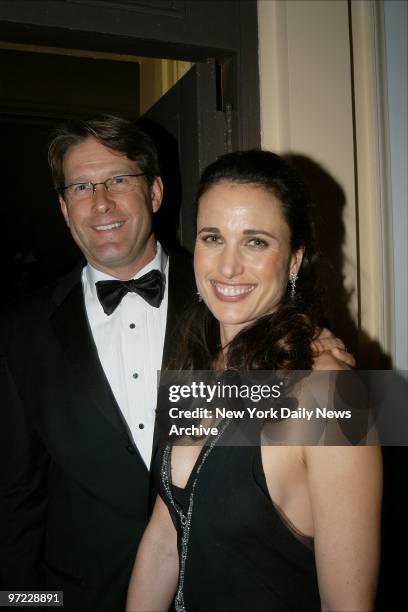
(113, 132)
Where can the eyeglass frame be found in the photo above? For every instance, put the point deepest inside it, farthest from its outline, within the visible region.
(94, 185)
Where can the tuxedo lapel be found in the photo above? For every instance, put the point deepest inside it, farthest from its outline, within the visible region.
(70, 324)
(180, 297)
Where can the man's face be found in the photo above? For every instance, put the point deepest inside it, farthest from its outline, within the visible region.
(114, 232)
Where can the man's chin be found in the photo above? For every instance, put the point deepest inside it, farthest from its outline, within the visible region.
(109, 262)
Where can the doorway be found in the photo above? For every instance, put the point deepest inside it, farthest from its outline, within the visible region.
(41, 87)
(120, 42)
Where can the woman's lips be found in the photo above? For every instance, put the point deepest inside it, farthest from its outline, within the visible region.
(232, 292)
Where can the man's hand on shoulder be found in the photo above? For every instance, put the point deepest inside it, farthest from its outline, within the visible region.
(330, 353)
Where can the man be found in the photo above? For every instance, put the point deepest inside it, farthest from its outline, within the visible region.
(79, 385)
(78, 376)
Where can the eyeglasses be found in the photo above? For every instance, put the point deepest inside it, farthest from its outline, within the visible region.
(123, 183)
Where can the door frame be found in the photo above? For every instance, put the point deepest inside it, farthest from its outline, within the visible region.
(193, 30)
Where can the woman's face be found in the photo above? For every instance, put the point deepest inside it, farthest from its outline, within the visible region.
(242, 255)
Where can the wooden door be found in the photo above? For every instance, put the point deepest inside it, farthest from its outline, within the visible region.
(189, 133)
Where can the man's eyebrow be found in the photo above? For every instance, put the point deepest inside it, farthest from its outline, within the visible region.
(84, 179)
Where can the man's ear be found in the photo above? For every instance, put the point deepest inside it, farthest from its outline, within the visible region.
(64, 209)
(156, 193)
(296, 260)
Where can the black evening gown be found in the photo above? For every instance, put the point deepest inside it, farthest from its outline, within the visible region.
(241, 554)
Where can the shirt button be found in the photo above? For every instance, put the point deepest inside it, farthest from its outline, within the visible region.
(132, 326)
(135, 375)
(130, 449)
(141, 426)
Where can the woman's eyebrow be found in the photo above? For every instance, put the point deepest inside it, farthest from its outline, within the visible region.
(214, 230)
(251, 232)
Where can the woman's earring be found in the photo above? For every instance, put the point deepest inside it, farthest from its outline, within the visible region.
(199, 298)
(292, 279)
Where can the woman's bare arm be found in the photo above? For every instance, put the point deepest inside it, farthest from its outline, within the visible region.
(345, 484)
(154, 578)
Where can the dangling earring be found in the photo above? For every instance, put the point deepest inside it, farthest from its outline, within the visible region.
(292, 279)
(199, 298)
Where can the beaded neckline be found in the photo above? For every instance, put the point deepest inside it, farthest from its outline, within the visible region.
(185, 518)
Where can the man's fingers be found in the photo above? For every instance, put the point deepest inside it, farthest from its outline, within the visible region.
(328, 343)
(316, 347)
(344, 356)
(326, 333)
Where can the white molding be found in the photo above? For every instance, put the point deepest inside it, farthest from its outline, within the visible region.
(396, 46)
(274, 75)
(376, 275)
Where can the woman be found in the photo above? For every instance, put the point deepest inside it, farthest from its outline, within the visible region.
(262, 527)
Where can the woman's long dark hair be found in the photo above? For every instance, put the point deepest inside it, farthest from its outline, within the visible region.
(280, 340)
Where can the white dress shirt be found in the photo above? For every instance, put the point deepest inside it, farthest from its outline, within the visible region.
(130, 347)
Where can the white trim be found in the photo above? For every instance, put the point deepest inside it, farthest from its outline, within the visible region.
(373, 170)
(396, 39)
(274, 75)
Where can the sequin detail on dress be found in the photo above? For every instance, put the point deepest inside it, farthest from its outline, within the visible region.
(184, 519)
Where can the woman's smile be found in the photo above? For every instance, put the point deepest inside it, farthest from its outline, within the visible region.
(228, 292)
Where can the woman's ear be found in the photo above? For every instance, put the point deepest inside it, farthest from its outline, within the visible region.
(296, 260)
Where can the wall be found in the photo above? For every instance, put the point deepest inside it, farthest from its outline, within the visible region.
(49, 82)
(141, 81)
(156, 77)
(322, 76)
(396, 26)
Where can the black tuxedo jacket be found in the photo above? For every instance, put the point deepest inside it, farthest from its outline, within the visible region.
(73, 488)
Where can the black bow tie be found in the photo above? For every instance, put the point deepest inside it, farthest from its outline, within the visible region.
(150, 287)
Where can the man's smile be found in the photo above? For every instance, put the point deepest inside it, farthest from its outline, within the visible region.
(109, 227)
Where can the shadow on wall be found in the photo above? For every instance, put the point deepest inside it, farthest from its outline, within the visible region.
(329, 201)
